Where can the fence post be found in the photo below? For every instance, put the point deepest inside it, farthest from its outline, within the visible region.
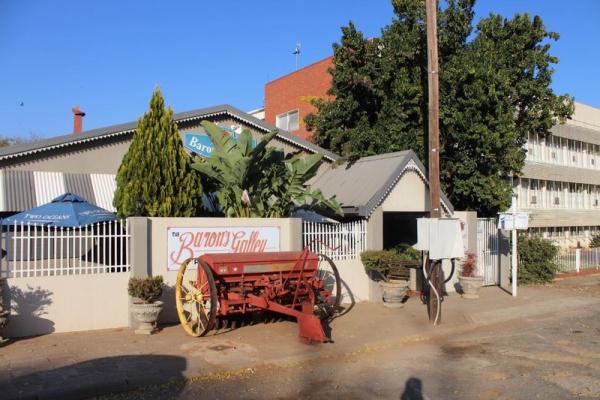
(139, 249)
(577, 260)
(296, 234)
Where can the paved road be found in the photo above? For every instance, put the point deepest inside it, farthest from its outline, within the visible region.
(549, 357)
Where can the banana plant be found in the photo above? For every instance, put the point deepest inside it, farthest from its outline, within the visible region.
(260, 181)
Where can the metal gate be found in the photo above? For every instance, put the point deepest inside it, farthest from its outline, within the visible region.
(487, 251)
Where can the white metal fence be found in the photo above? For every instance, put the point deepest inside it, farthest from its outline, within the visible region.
(31, 250)
(575, 260)
(343, 241)
(487, 250)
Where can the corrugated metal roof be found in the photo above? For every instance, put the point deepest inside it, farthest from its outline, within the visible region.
(48, 186)
(2, 192)
(104, 190)
(22, 190)
(129, 127)
(360, 187)
(81, 185)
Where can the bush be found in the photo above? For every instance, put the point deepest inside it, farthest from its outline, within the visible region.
(595, 242)
(147, 289)
(386, 264)
(536, 259)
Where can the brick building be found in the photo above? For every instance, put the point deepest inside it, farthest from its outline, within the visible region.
(287, 99)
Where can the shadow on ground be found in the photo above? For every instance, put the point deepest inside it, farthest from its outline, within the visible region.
(413, 390)
(97, 377)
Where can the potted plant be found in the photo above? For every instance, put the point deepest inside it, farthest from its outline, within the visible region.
(145, 306)
(387, 267)
(470, 283)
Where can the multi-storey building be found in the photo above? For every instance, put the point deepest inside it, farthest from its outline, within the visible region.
(288, 98)
(560, 183)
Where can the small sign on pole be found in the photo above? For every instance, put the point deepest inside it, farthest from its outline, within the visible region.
(513, 221)
(520, 221)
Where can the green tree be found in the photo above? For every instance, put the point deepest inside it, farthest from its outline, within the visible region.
(155, 177)
(260, 181)
(494, 91)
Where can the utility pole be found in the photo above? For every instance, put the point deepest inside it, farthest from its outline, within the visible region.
(434, 153)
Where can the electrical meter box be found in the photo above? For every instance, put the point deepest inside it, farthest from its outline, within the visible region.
(441, 237)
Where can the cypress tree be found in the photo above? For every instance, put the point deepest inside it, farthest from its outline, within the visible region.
(155, 178)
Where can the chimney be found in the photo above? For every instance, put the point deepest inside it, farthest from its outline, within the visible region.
(77, 119)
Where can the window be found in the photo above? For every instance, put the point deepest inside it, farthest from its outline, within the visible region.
(534, 199)
(289, 121)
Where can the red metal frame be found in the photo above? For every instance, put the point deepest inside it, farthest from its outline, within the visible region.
(283, 282)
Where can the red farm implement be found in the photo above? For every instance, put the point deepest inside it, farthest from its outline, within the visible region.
(300, 284)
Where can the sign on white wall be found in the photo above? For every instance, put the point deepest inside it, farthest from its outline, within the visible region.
(184, 243)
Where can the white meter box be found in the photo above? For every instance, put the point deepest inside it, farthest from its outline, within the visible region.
(442, 238)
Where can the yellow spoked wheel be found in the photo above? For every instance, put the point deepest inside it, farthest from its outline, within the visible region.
(196, 298)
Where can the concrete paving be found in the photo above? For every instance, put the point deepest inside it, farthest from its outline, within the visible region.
(87, 364)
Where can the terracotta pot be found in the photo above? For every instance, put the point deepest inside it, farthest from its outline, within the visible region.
(470, 286)
(146, 315)
(393, 293)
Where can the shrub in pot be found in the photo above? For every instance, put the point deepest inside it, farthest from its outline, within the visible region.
(145, 306)
(387, 267)
(469, 283)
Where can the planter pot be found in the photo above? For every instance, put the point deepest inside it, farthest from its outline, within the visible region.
(146, 315)
(470, 286)
(393, 293)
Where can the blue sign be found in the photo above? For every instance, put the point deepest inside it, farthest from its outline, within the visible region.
(200, 143)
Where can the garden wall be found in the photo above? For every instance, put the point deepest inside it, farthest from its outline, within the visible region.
(155, 246)
(66, 303)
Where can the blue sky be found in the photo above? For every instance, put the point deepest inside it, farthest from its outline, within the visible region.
(107, 56)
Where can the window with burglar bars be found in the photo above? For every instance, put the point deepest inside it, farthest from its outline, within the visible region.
(32, 250)
(342, 241)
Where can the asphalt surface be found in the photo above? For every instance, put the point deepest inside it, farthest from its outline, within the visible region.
(550, 356)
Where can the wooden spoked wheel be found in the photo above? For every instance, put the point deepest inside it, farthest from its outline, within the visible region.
(328, 273)
(196, 298)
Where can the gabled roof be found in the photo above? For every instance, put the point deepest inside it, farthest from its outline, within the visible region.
(362, 186)
(129, 127)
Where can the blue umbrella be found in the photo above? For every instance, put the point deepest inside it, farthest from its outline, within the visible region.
(67, 210)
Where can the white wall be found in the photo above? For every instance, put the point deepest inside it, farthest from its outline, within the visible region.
(68, 303)
(290, 240)
(409, 195)
(356, 285)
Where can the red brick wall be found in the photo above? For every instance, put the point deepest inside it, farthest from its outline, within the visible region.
(294, 90)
